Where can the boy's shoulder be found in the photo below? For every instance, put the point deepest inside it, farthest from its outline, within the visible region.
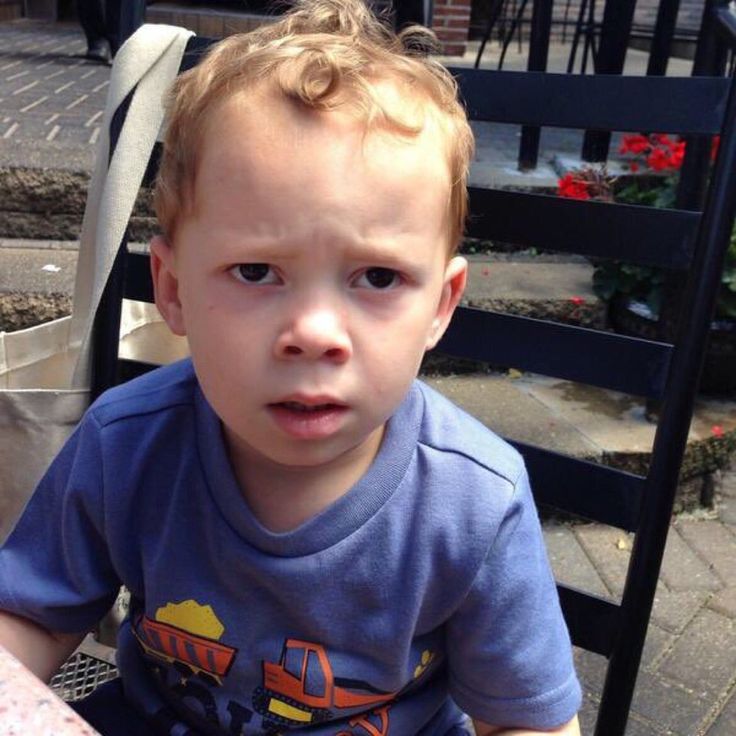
(449, 429)
(156, 391)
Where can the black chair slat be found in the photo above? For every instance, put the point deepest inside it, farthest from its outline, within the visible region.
(685, 105)
(595, 492)
(593, 622)
(642, 235)
(197, 47)
(603, 359)
(138, 284)
(149, 177)
(128, 369)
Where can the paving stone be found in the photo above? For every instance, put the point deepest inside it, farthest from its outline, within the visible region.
(724, 602)
(728, 483)
(657, 644)
(714, 543)
(569, 561)
(609, 549)
(608, 419)
(682, 569)
(501, 405)
(704, 657)
(673, 611)
(636, 727)
(727, 511)
(591, 669)
(588, 713)
(513, 280)
(36, 270)
(725, 724)
(673, 708)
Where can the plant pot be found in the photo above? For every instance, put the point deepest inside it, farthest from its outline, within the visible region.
(634, 318)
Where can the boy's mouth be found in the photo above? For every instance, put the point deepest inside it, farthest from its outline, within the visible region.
(308, 420)
(306, 408)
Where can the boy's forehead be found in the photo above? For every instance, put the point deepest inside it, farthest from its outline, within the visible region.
(280, 162)
(264, 121)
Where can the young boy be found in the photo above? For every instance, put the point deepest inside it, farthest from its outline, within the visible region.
(312, 539)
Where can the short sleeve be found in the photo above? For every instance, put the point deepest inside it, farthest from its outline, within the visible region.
(510, 655)
(54, 567)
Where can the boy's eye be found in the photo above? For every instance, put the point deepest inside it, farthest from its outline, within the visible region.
(254, 273)
(379, 278)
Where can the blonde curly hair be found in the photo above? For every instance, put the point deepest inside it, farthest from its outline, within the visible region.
(324, 54)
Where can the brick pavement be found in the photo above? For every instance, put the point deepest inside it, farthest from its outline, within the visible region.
(51, 103)
(687, 684)
(51, 99)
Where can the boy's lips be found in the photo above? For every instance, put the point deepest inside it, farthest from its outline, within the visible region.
(314, 417)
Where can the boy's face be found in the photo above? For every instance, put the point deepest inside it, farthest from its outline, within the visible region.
(310, 278)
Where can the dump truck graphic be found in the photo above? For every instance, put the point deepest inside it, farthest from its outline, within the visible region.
(301, 688)
(174, 644)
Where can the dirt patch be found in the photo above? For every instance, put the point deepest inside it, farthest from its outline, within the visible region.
(48, 204)
(18, 311)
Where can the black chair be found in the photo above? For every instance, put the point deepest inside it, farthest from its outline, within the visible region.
(692, 242)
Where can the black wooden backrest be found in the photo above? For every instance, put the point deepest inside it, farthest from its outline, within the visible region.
(688, 241)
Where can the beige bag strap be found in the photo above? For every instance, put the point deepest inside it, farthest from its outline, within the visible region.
(146, 63)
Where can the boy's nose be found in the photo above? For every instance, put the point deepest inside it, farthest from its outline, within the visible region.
(315, 334)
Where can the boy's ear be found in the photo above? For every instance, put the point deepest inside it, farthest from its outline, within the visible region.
(166, 284)
(456, 276)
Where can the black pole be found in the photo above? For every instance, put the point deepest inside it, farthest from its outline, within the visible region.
(538, 53)
(589, 45)
(615, 30)
(664, 31)
(494, 12)
(579, 30)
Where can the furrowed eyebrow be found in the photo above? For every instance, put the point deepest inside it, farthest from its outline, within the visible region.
(265, 251)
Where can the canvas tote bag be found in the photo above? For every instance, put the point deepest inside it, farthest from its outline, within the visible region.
(45, 370)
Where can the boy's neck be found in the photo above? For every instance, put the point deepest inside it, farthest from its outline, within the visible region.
(283, 497)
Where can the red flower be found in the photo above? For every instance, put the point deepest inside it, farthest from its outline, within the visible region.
(577, 300)
(678, 154)
(573, 188)
(635, 143)
(716, 430)
(662, 139)
(659, 160)
(634, 167)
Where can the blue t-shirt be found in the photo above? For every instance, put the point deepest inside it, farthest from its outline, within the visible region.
(423, 592)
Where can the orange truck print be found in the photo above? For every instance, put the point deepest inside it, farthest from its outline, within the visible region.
(177, 645)
(301, 688)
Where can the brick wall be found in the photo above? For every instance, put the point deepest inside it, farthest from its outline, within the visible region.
(451, 21)
(211, 22)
